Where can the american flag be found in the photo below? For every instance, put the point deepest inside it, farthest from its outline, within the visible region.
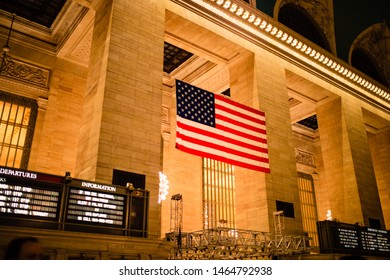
(213, 126)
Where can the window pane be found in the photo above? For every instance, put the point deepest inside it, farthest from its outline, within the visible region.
(11, 156)
(5, 115)
(3, 155)
(12, 116)
(18, 117)
(22, 137)
(308, 207)
(218, 194)
(26, 117)
(18, 157)
(15, 136)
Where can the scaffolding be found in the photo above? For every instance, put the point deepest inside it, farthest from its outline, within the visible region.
(176, 222)
(223, 243)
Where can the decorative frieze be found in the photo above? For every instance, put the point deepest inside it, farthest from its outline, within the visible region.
(304, 157)
(22, 71)
(165, 124)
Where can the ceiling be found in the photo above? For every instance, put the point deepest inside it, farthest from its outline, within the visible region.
(42, 12)
(351, 18)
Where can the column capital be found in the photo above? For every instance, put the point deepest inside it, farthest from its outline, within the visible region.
(93, 4)
(42, 103)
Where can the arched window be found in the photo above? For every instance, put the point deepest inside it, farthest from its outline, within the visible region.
(363, 61)
(299, 20)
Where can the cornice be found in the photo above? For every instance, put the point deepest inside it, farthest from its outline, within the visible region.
(40, 38)
(264, 31)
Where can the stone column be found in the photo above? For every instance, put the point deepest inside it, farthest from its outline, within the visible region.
(349, 175)
(57, 130)
(259, 81)
(380, 152)
(122, 108)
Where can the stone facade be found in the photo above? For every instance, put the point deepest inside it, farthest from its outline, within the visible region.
(118, 112)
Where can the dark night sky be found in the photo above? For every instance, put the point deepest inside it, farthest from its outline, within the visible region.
(351, 17)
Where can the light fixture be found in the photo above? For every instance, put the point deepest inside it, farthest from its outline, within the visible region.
(6, 47)
(329, 215)
(163, 187)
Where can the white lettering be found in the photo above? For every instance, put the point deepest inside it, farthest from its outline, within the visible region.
(98, 186)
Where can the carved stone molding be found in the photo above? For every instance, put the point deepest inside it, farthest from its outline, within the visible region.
(19, 70)
(376, 41)
(304, 157)
(165, 115)
(321, 12)
(165, 124)
(42, 103)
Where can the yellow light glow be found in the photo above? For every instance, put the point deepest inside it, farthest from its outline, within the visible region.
(284, 38)
(239, 11)
(294, 42)
(269, 27)
(227, 4)
(233, 8)
(274, 31)
(252, 18)
(246, 15)
(257, 21)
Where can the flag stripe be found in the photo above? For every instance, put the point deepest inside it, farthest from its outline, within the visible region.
(196, 152)
(221, 148)
(237, 106)
(210, 150)
(208, 139)
(220, 131)
(238, 124)
(234, 114)
(225, 128)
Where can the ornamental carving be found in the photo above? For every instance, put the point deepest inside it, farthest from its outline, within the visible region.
(320, 12)
(376, 41)
(304, 157)
(165, 115)
(19, 70)
(165, 125)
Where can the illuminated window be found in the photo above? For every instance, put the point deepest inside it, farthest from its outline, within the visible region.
(17, 120)
(308, 207)
(218, 194)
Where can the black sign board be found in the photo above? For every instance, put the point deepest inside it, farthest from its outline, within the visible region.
(29, 201)
(39, 200)
(29, 198)
(338, 237)
(96, 204)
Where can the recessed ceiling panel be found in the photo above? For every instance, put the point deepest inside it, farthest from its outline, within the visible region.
(310, 122)
(174, 57)
(43, 12)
